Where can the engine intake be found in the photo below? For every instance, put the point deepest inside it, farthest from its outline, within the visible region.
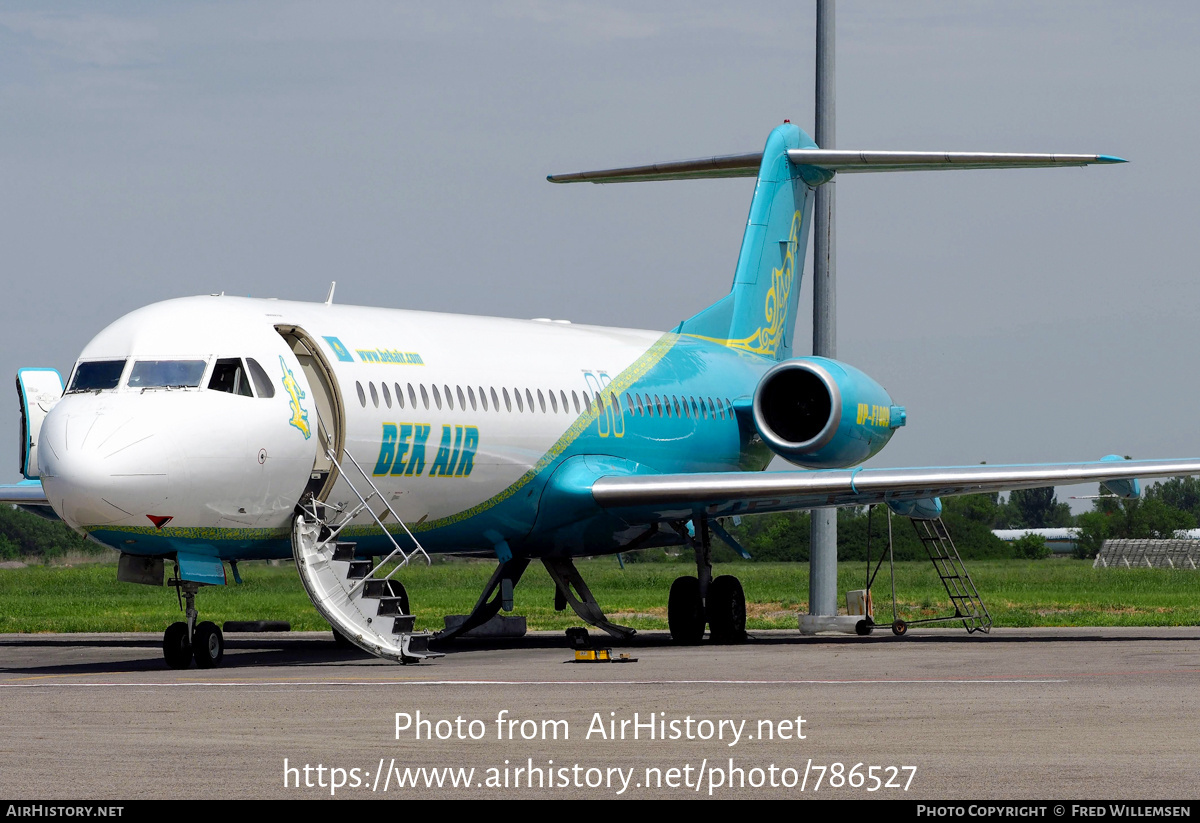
(819, 413)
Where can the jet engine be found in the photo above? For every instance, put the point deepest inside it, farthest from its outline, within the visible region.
(822, 414)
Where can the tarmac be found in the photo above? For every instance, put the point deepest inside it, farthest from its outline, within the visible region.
(1051, 714)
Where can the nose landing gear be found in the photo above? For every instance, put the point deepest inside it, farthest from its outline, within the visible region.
(183, 642)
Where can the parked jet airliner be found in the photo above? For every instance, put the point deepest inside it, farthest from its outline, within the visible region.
(207, 430)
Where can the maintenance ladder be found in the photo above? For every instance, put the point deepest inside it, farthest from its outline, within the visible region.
(968, 606)
(964, 597)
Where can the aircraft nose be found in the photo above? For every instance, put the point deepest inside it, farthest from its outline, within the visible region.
(101, 467)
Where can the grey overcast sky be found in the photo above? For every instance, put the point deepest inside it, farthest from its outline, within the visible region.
(153, 150)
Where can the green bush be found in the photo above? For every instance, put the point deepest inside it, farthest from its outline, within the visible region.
(1031, 547)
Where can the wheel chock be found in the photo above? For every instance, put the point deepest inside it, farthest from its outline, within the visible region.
(600, 656)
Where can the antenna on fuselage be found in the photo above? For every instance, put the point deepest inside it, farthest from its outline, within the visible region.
(329, 297)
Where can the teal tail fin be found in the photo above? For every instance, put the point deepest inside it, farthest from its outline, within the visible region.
(759, 313)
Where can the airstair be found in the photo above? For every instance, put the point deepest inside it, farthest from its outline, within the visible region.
(364, 604)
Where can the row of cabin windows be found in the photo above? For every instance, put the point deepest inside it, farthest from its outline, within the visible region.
(549, 402)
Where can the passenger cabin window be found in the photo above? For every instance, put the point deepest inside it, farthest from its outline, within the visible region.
(228, 376)
(96, 375)
(169, 374)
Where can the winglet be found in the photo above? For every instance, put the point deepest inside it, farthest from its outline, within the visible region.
(1127, 487)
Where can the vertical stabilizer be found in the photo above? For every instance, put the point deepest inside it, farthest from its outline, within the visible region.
(759, 313)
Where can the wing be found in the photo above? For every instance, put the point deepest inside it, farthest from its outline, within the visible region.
(25, 493)
(655, 497)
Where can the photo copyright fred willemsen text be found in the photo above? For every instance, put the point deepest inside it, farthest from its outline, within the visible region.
(711, 775)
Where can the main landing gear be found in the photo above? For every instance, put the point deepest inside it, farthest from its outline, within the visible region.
(695, 601)
(569, 590)
(186, 641)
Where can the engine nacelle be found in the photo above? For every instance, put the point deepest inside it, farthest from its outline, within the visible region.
(822, 414)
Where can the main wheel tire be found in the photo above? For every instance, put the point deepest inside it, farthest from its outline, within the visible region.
(176, 649)
(208, 646)
(685, 615)
(726, 610)
(863, 628)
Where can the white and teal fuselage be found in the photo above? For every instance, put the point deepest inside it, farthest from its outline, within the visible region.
(229, 470)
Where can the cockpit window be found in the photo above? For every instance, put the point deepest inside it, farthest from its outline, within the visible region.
(166, 374)
(262, 383)
(97, 375)
(229, 376)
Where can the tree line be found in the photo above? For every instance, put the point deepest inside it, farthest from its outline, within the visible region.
(1163, 509)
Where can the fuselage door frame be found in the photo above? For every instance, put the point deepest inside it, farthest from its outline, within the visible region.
(322, 381)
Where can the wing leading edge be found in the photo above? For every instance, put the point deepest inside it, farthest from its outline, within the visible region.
(26, 493)
(649, 497)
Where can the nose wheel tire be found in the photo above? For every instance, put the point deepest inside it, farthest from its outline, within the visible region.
(899, 628)
(208, 646)
(176, 649)
(726, 610)
(685, 615)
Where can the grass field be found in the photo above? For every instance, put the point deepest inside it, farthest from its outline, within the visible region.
(88, 598)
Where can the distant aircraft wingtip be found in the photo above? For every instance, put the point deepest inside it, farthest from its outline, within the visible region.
(1108, 158)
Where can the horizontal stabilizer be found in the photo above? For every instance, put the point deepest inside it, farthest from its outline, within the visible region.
(834, 160)
(730, 165)
(839, 160)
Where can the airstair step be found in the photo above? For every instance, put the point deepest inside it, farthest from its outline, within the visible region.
(382, 588)
(344, 551)
(359, 569)
(403, 624)
(418, 643)
(391, 606)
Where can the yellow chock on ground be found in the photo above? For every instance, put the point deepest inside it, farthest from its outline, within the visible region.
(601, 656)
